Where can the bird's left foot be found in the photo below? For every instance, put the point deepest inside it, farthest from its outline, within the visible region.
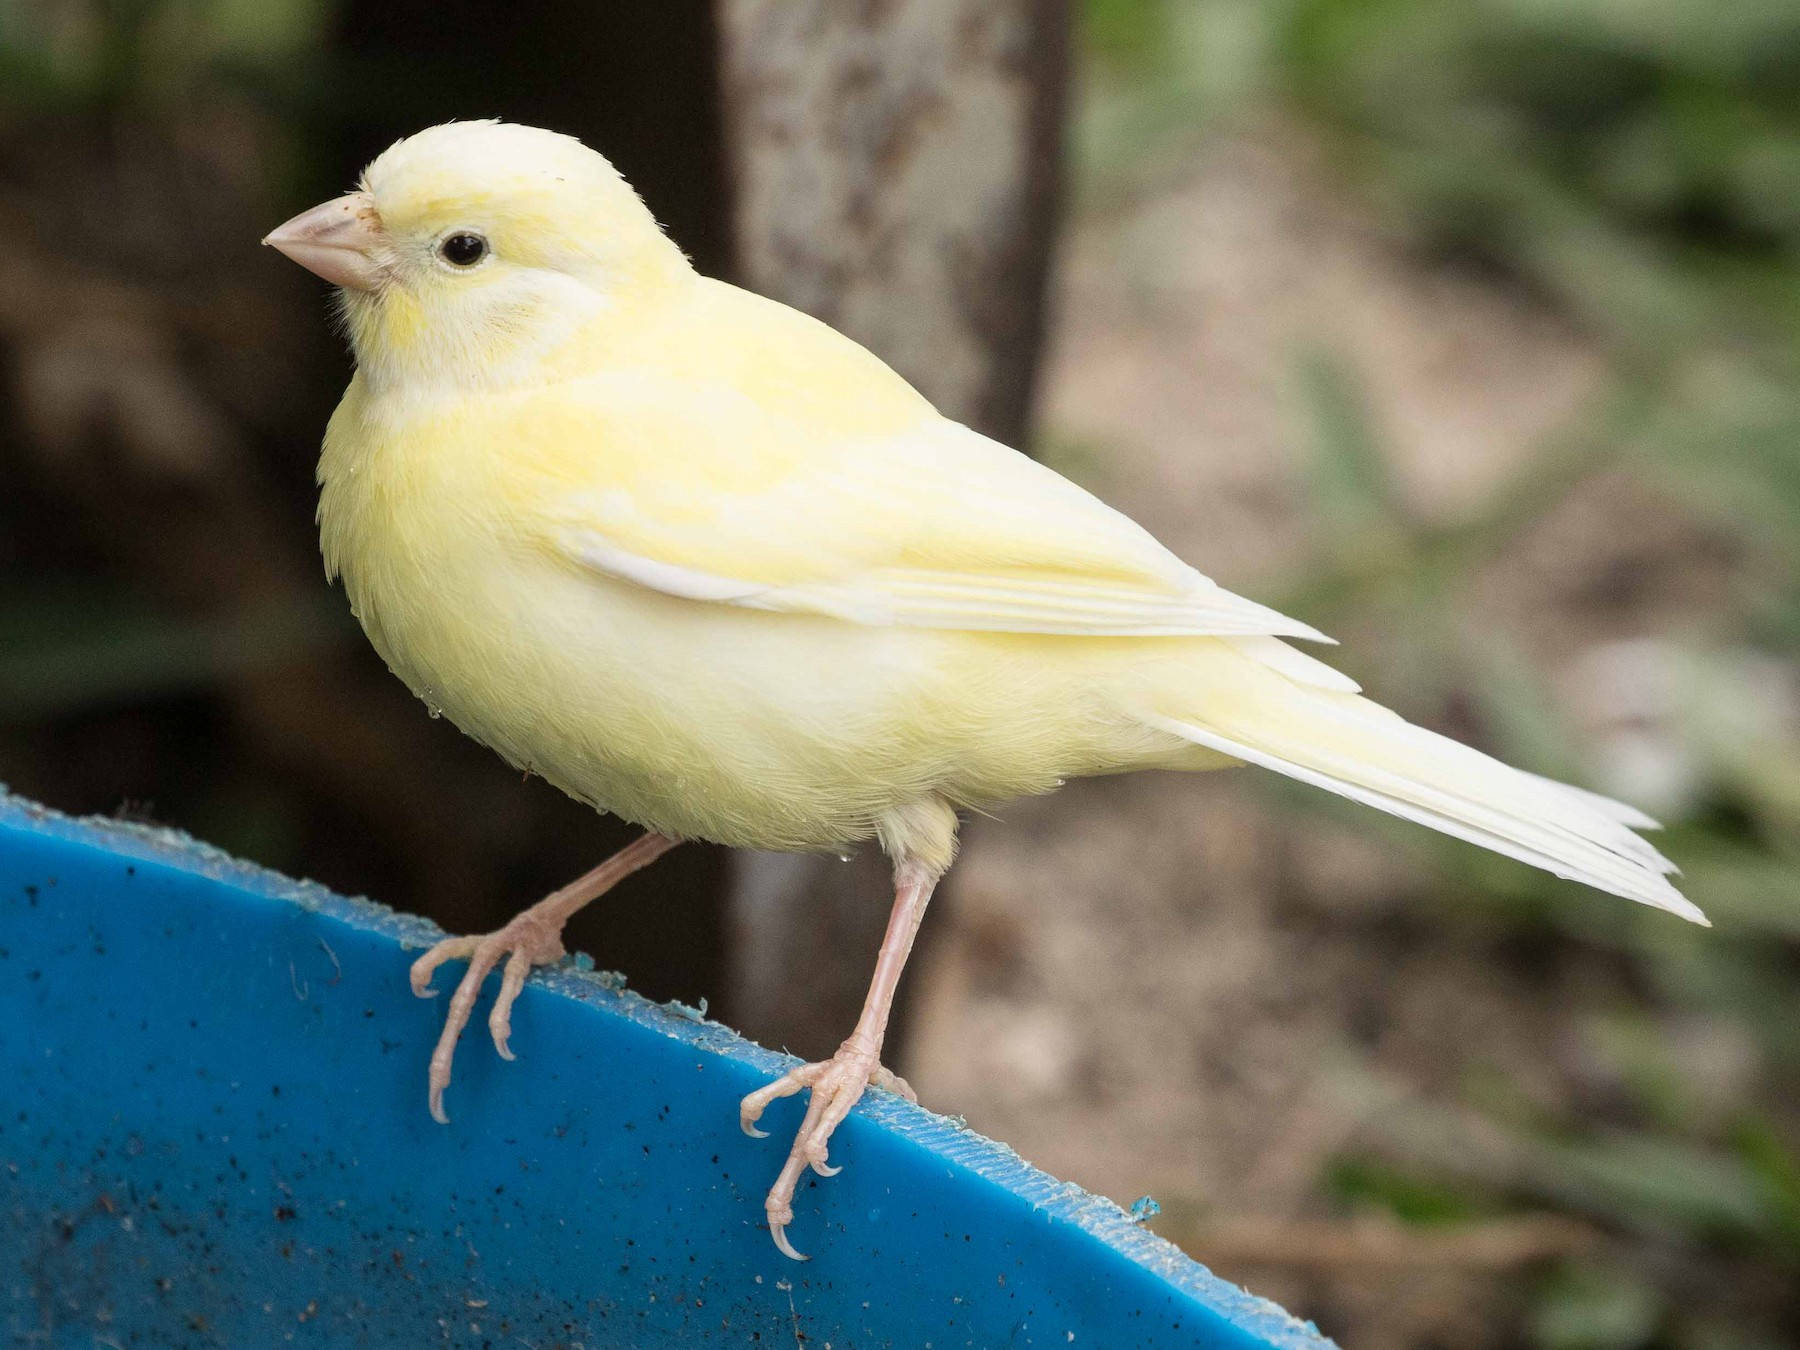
(837, 1085)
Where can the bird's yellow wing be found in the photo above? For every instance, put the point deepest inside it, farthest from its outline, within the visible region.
(703, 493)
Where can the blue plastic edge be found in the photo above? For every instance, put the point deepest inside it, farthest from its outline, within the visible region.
(604, 991)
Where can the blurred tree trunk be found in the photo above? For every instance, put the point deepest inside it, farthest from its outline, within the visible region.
(896, 169)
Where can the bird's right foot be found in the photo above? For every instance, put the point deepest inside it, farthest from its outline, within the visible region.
(531, 939)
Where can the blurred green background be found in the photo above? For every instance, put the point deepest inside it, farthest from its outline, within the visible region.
(1626, 172)
(1634, 169)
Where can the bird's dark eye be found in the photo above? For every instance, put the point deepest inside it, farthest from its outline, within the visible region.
(463, 250)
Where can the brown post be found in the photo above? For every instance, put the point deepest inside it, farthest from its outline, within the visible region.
(897, 171)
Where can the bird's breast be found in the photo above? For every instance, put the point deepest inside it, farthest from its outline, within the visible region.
(700, 720)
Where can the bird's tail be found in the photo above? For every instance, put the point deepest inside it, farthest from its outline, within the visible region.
(1287, 712)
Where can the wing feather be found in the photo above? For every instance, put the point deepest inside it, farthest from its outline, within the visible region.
(935, 527)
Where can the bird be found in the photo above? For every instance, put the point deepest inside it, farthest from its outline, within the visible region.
(703, 562)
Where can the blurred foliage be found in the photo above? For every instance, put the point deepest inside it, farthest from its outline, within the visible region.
(1641, 160)
(1636, 167)
(73, 55)
(1361, 1182)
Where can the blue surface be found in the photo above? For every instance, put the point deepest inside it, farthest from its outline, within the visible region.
(213, 1132)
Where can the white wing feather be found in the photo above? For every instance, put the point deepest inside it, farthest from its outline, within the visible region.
(941, 528)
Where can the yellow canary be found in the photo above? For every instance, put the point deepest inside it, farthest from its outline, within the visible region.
(701, 561)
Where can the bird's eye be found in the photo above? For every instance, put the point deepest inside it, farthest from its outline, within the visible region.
(463, 249)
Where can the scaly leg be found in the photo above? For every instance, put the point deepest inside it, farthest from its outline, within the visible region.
(533, 938)
(838, 1083)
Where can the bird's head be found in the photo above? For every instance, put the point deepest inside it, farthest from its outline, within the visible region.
(471, 250)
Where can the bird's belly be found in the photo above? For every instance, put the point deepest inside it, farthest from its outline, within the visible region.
(707, 721)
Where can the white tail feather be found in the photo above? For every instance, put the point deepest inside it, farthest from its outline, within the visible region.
(1619, 811)
(1369, 754)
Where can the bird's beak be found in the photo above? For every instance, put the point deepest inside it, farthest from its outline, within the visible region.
(341, 240)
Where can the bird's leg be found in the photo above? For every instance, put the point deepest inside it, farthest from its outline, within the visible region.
(533, 938)
(838, 1083)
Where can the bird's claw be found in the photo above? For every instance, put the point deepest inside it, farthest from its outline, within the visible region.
(450, 949)
(527, 941)
(753, 1105)
(778, 1231)
(837, 1084)
(889, 1081)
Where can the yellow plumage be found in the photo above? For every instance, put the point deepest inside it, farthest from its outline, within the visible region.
(703, 562)
(700, 560)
